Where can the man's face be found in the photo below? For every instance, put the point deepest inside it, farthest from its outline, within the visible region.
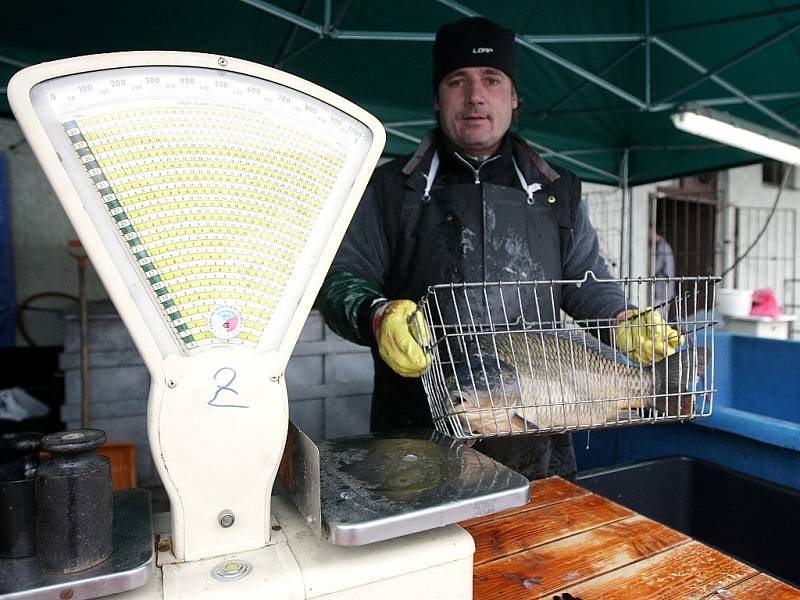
(475, 107)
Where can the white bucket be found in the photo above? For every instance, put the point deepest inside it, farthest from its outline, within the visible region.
(733, 302)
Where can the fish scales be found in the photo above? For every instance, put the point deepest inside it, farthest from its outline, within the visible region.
(562, 383)
(543, 381)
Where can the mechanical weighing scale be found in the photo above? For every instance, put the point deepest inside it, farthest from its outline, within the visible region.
(211, 194)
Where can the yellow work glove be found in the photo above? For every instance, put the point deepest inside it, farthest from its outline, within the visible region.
(645, 337)
(395, 325)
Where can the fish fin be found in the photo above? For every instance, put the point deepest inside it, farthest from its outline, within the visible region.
(676, 378)
(528, 425)
(480, 416)
(509, 423)
(523, 415)
(495, 421)
(520, 424)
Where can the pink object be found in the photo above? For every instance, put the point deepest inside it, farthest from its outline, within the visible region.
(765, 304)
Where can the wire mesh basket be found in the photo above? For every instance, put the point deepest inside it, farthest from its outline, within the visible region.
(506, 361)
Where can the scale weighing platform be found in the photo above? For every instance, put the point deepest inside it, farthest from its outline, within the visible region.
(210, 195)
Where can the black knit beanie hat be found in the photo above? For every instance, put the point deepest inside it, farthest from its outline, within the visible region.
(473, 42)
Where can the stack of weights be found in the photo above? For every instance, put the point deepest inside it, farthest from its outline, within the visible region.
(19, 457)
(72, 496)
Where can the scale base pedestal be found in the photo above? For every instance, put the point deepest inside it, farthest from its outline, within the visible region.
(435, 565)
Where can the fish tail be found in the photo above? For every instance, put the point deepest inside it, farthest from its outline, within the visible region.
(676, 378)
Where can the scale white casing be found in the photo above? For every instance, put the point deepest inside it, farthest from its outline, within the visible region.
(218, 409)
(434, 564)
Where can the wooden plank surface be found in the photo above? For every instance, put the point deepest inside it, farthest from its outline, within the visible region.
(551, 490)
(570, 540)
(544, 492)
(760, 587)
(691, 570)
(541, 570)
(517, 532)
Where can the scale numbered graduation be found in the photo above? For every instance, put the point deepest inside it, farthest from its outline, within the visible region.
(211, 194)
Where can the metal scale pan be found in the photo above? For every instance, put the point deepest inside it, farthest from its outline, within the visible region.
(365, 489)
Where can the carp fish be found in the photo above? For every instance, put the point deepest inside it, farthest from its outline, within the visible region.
(559, 380)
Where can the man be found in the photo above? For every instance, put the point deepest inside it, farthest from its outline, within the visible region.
(664, 268)
(474, 203)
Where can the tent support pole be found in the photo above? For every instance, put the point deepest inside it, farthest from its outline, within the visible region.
(627, 201)
(13, 62)
(550, 109)
(721, 82)
(285, 15)
(402, 135)
(545, 151)
(326, 26)
(647, 52)
(283, 51)
(721, 101)
(735, 19)
(745, 54)
(587, 38)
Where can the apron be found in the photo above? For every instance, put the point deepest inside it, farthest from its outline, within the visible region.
(469, 233)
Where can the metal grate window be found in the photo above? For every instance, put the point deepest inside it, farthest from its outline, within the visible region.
(606, 214)
(772, 261)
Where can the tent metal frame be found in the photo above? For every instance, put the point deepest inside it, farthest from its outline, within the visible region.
(646, 40)
(535, 43)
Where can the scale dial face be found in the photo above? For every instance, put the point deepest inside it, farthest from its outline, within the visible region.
(218, 189)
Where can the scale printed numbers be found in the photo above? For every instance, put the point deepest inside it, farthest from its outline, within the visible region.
(223, 379)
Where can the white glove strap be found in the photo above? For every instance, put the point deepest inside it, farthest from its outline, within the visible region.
(378, 307)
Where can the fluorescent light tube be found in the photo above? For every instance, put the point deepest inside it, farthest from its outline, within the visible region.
(724, 128)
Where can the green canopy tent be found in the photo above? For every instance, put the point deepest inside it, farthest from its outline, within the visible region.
(599, 79)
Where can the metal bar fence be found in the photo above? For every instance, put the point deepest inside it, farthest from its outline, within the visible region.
(606, 213)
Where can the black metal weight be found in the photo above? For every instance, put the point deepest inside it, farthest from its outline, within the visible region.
(73, 502)
(19, 457)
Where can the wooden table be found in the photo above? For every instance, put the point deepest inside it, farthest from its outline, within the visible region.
(567, 539)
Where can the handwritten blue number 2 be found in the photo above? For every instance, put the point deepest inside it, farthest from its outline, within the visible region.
(225, 387)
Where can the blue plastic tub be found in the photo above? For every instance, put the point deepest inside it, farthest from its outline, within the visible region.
(759, 389)
(755, 426)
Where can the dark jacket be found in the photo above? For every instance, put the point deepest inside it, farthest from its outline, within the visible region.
(398, 233)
